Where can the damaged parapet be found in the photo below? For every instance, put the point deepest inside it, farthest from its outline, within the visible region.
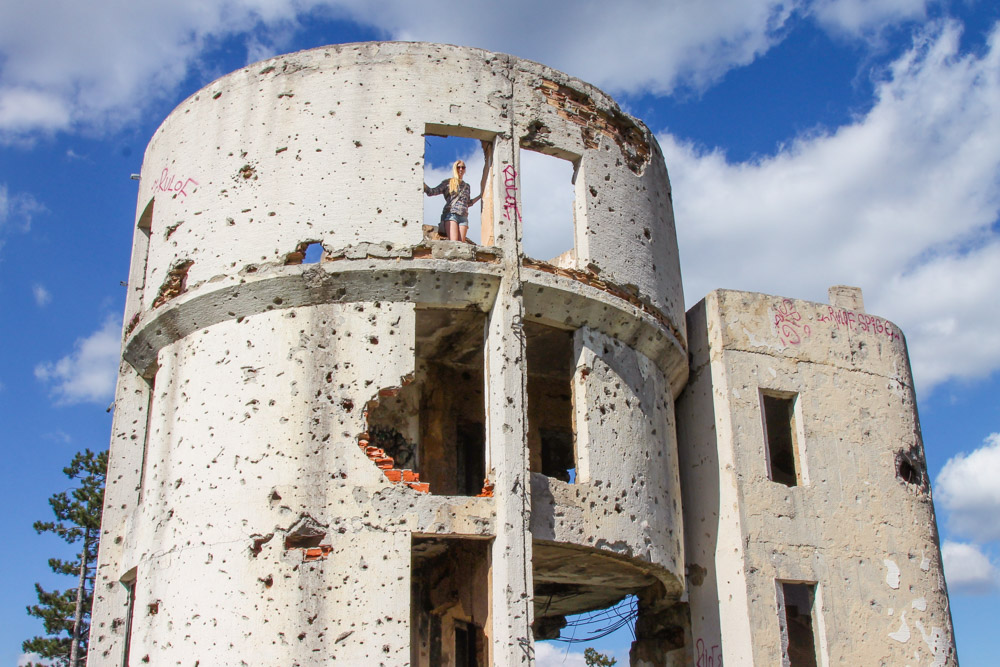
(340, 437)
(809, 528)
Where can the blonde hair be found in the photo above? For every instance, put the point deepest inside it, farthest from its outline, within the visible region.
(455, 178)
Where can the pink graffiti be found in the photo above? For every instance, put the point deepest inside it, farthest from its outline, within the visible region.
(860, 322)
(788, 321)
(708, 657)
(510, 195)
(169, 183)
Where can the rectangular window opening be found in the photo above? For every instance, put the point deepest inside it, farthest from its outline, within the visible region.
(449, 602)
(780, 437)
(444, 147)
(551, 435)
(548, 201)
(796, 614)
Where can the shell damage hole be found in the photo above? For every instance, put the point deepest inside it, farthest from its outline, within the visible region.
(307, 252)
(175, 284)
(910, 469)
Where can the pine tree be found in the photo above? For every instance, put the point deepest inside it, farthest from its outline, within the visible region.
(65, 614)
(596, 659)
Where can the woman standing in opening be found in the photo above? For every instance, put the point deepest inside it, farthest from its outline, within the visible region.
(455, 216)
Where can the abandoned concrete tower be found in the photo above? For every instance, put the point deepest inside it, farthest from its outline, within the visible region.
(419, 451)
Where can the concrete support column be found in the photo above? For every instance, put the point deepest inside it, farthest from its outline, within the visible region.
(506, 429)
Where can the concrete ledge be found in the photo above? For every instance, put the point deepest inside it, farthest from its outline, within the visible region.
(565, 302)
(444, 283)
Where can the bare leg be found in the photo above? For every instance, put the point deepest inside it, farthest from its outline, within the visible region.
(463, 230)
(453, 231)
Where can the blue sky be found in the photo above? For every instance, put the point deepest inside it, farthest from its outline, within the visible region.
(809, 143)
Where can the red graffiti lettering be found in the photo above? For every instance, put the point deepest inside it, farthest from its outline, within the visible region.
(788, 322)
(708, 657)
(510, 194)
(860, 322)
(170, 183)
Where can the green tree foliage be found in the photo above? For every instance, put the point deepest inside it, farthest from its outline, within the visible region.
(65, 615)
(595, 659)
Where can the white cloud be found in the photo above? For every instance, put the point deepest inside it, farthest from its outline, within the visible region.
(87, 375)
(968, 487)
(42, 295)
(901, 202)
(863, 16)
(18, 207)
(968, 570)
(548, 654)
(70, 65)
(32, 659)
(631, 46)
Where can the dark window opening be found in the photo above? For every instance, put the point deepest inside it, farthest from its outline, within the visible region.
(551, 441)
(798, 640)
(470, 443)
(445, 145)
(466, 651)
(430, 433)
(779, 434)
(449, 602)
(129, 582)
(548, 201)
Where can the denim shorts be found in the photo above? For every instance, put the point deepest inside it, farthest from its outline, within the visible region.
(462, 220)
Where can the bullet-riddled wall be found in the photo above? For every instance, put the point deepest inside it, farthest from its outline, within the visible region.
(281, 428)
(809, 526)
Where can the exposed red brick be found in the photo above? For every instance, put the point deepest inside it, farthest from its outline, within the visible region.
(316, 553)
(393, 475)
(487, 491)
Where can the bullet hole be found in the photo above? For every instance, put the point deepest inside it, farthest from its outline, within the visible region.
(247, 172)
(267, 581)
(357, 144)
(373, 340)
(347, 405)
(154, 608)
(259, 541)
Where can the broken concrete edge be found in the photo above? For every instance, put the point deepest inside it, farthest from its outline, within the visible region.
(552, 299)
(417, 281)
(175, 283)
(628, 293)
(668, 589)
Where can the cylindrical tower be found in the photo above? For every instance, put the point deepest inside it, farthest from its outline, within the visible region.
(413, 450)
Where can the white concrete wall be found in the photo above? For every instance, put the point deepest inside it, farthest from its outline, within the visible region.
(262, 370)
(866, 537)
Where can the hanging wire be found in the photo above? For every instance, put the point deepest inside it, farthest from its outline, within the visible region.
(603, 622)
